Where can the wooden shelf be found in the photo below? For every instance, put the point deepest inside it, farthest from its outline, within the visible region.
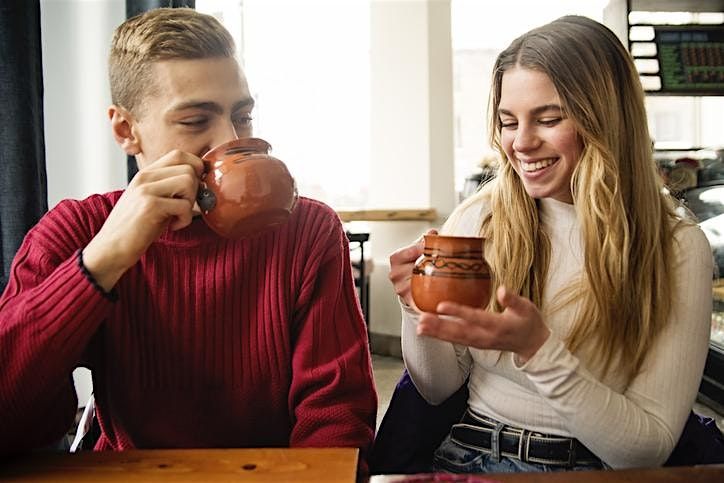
(425, 214)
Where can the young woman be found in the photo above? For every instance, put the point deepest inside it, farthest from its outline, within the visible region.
(591, 350)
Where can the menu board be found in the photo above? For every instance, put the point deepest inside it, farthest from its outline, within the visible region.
(691, 58)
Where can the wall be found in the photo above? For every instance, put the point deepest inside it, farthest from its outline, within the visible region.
(411, 132)
(81, 155)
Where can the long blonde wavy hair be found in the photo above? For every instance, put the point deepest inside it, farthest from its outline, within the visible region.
(627, 220)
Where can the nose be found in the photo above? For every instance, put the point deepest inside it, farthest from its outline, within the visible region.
(526, 139)
(223, 132)
(227, 131)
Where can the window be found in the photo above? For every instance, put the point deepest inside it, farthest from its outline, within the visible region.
(308, 69)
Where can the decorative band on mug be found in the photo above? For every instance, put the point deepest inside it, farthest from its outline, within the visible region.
(482, 276)
(467, 255)
(443, 263)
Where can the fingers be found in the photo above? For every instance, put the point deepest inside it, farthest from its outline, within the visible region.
(177, 157)
(176, 212)
(457, 331)
(458, 310)
(411, 252)
(402, 261)
(511, 301)
(180, 186)
(406, 254)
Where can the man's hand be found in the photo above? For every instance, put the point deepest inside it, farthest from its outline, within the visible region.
(160, 196)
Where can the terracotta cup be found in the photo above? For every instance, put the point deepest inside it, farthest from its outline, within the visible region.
(244, 190)
(451, 268)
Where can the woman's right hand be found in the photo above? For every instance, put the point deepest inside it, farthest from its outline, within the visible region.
(402, 261)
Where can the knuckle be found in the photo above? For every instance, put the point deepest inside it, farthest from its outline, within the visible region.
(140, 178)
(142, 190)
(176, 154)
(190, 178)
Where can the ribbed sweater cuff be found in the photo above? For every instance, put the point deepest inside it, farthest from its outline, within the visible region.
(112, 295)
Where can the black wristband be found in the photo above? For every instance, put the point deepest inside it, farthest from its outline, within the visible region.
(112, 295)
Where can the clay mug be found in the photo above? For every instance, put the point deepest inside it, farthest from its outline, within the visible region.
(451, 268)
(244, 190)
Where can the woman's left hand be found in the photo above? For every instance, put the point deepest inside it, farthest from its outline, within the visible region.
(519, 328)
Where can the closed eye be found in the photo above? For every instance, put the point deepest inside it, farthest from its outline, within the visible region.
(241, 121)
(194, 122)
(550, 122)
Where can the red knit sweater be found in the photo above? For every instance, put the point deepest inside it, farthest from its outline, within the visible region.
(209, 342)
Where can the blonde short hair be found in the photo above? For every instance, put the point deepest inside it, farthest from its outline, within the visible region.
(157, 35)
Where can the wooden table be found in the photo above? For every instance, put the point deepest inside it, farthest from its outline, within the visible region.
(315, 465)
(689, 474)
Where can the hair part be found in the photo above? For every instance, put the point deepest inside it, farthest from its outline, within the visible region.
(626, 218)
(158, 35)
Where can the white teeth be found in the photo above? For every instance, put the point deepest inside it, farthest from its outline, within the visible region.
(543, 163)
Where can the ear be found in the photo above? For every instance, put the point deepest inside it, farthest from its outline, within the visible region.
(122, 126)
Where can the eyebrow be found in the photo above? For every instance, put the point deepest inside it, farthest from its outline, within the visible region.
(212, 106)
(535, 111)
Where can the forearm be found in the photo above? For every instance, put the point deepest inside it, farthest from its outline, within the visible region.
(433, 365)
(103, 265)
(45, 328)
(332, 395)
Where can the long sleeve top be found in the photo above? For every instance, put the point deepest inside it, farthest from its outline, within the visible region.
(205, 342)
(557, 391)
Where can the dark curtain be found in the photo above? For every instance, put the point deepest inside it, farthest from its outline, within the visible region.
(23, 183)
(134, 7)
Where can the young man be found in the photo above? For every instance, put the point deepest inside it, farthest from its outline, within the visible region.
(193, 340)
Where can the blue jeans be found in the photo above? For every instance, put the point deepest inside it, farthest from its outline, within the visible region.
(452, 457)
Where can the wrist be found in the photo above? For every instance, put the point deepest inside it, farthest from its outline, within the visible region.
(111, 295)
(536, 342)
(102, 266)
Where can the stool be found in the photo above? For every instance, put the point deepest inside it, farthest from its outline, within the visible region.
(361, 270)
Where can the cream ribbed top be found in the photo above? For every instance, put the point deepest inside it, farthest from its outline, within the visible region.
(554, 392)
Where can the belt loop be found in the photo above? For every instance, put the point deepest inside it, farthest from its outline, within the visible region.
(524, 445)
(495, 442)
(572, 453)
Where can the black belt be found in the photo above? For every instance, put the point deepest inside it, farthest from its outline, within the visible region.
(475, 432)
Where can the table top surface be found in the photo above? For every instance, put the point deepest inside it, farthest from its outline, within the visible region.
(689, 474)
(316, 465)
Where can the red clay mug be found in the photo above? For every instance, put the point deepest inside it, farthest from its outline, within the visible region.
(244, 190)
(451, 268)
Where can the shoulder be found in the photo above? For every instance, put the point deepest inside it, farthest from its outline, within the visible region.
(96, 203)
(467, 218)
(315, 229)
(313, 214)
(87, 212)
(690, 243)
(72, 223)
